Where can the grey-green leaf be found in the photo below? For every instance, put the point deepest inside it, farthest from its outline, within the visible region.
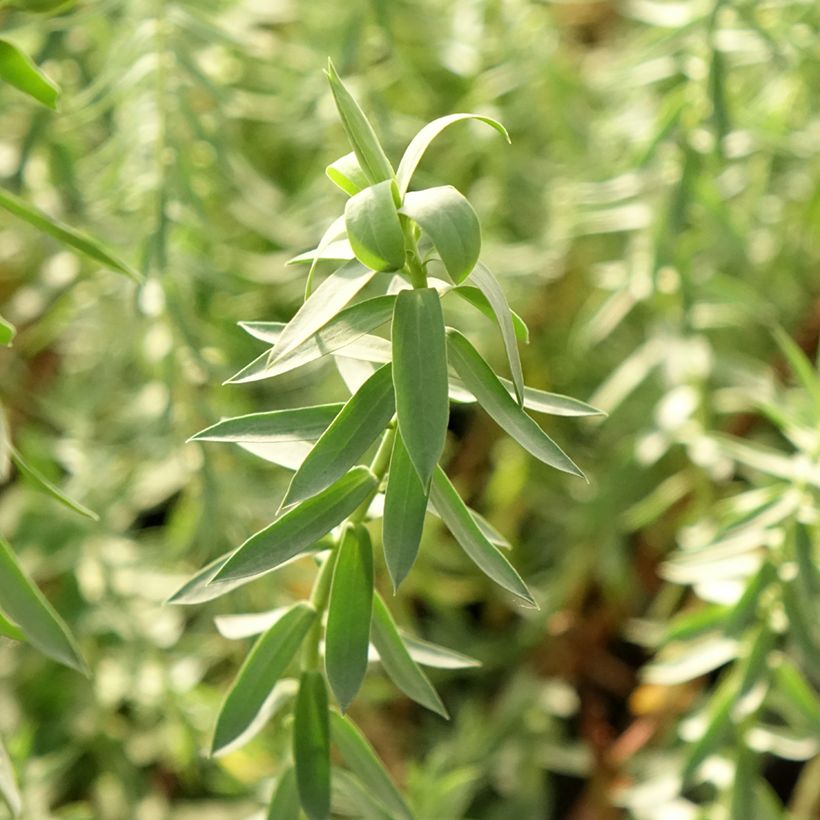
(284, 804)
(7, 332)
(347, 174)
(311, 746)
(19, 70)
(347, 635)
(420, 377)
(357, 426)
(261, 671)
(275, 426)
(500, 405)
(478, 300)
(398, 664)
(405, 504)
(23, 602)
(457, 518)
(298, 529)
(449, 220)
(436, 656)
(373, 227)
(8, 784)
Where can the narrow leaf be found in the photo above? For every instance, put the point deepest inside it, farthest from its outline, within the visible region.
(420, 377)
(801, 365)
(502, 408)
(398, 664)
(347, 174)
(298, 529)
(335, 230)
(284, 804)
(478, 300)
(462, 525)
(435, 656)
(373, 227)
(311, 746)
(301, 424)
(802, 697)
(19, 70)
(347, 635)
(8, 784)
(339, 250)
(7, 332)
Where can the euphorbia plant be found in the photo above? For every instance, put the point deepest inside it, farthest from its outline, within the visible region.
(394, 241)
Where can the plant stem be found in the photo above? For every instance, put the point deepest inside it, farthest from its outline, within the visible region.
(413, 266)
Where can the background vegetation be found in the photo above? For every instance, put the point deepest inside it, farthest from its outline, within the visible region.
(654, 221)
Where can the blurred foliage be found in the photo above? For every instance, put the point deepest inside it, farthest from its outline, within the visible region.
(655, 224)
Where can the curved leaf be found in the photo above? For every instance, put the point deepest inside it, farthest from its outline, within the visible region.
(373, 228)
(300, 424)
(19, 70)
(7, 332)
(347, 174)
(311, 746)
(478, 300)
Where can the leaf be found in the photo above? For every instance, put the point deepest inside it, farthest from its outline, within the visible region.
(23, 602)
(718, 722)
(284, 804)
(373, 227)
(5, 447)
(405, 504)
(742, 799)
(420, 377)
(799, 693)
(438, 657)
(462, 525)
(19, 70)
(7, 332)
(8, 784)
(332, 232)
(300, 424)
(357, 426)
(9, 630)
(350, 609)
(801, 365)
(261, 671)
(419, 144)
(311, 746)
(365, 144)
(347, 174)
(489, 286)
(449, 220)
(339, 250)
(349, 798)
(478, 300)
(502, 408)
(363, 761)
(398, 664)
(55, 492)
(65, 234)
(298, 529)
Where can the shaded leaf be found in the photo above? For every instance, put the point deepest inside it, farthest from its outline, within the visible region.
(311, 746)
(373, 228)
(284, 804)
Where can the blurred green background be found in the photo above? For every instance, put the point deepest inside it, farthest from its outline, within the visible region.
(654, 220)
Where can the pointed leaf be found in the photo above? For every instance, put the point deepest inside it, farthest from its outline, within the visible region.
(300, 424)
(311, 746)
(357, 426)
(347, 174)
(284, 804)
(449, 220)
(420, 377)
(7, 332)
(398, 664)
(260, 672)
(502, 408)
(339, 250)
(23, 602)
(373, 227)
(332, 232)
(347, 635)
(462, 525)
(405, 504)
(799, 693)
(435, 656)
(19, 70)
(801, 365)
(298, 529)
(8, 784)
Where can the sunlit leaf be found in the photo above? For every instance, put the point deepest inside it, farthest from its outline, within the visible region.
(435, 656)
(19, 70)
(8, 784)
(300, 424)
(478, 300)
(7, 332)
(373, 228)
(347, 174)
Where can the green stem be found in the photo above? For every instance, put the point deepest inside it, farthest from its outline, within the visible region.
(413, 266)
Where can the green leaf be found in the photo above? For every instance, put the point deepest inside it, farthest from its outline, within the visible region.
(55, 492)
(462, 525)
(284, 804)
(801, 365)
(717, 725)
(347, 174)
(339, 250)
(332, 232)
(300, 424)
(419, 144)
(311, 746)
(357, 426)
(742, 800)
(373, 227)
(19, 70)
(478, 300)
(298, 529)
(405, 503)
(23, 602)
(797, 691)
(260, 672)
(7, 332)
(5, 447)
(349, 798)
(8, 784)
(420, 377)
(449, 220)
(363, 761)
(438, 657)
(347, 635)
(398, 664)
(489, 286)
(10, 630)
(365, 144)
(68, 236)
(502, 408)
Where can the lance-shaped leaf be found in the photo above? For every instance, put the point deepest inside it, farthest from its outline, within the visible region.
(347, 635)
(275, 426)
(799, 693)
(298, 529)
(8, 784)
(350, 798)
(261, 671)
(347, 174)
(405, 504)
(373, 227)
(801, 365)
(339, 250)
(436, 656)
(449, 220)
(332, 232)
(369, 152)
(19, 70)
(7, 332)
(488, 285)
(500, 405)
(398, 664)
(356, 427)
(68, 236)
(23, 602)
(284, 804)
(478, 300)
(420, 377)
(456, 517)
(419, 144)
(311, 746)
(363, 761)
(717, 724)
(322, 305)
